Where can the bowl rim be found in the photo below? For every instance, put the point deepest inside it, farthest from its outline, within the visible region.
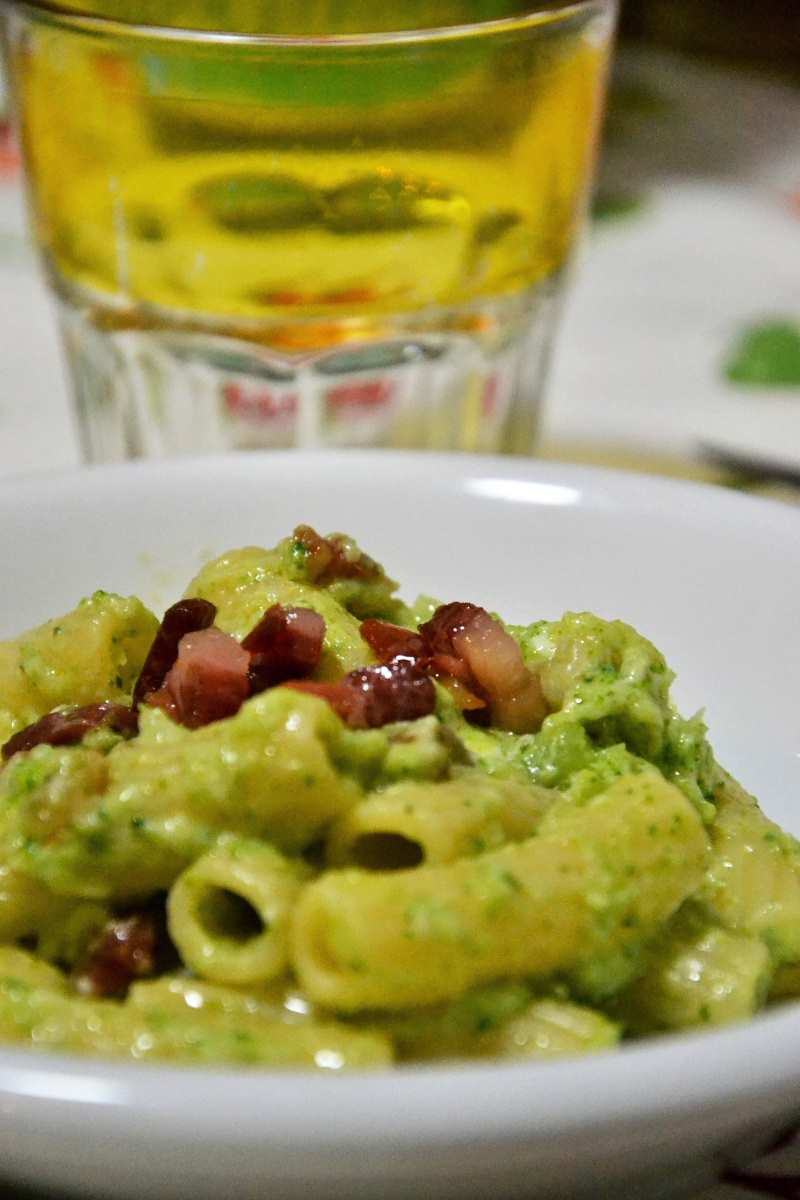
(562, 483)
(664, 1077)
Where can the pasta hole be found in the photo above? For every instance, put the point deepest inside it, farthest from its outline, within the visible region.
(225, 914)
(385, 852)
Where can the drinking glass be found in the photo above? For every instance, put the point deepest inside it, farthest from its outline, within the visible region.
(275, 225)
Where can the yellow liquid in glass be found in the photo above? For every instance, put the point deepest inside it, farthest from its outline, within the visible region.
(300, 196)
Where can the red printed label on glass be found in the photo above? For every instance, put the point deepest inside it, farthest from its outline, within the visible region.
(365, 394)
(259, 404)
(10, 161)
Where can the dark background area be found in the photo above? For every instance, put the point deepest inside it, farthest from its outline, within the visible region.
(761, 33)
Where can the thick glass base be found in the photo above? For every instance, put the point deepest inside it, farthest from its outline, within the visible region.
(466, 379)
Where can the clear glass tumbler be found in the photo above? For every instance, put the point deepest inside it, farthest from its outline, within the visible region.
(303, 229)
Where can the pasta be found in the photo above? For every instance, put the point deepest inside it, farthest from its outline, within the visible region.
(32, 999)
(700, 975)
(301, 824)
(500, 1021)
(25, 905)
(596, 887)
(411, 823)
(753, 882)
(93, 652)
(229, 912)
(157, 802)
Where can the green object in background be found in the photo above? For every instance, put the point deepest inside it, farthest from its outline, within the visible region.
(766, 355)
(616, 205)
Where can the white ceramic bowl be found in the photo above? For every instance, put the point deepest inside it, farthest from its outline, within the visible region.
(712, 577)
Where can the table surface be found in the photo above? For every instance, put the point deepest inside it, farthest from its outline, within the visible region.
(696, 238)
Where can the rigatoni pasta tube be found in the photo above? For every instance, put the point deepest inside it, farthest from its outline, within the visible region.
(93, 653)
(599, 884)
(501, 1020)
(412, 823)
(553, 1028)
(124, 825)
(26, 971)
(228, 914)
(25, 904)
(62, 928)
(277, 1001)
(36, 1009)
(699, 975)
(753, 880)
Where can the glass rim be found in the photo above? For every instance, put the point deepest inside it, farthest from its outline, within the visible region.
(89, 23)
